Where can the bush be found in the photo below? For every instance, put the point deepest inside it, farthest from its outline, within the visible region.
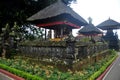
(103, 68)
(26, 69)
(20, 73)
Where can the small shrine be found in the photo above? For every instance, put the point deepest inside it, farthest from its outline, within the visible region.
(59, 18)
(90, 30)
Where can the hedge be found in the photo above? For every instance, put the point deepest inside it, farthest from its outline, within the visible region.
(102, 69)
(22, 74)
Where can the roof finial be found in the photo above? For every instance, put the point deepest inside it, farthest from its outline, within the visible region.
(90, 20)
(60, 0)
(109, 18)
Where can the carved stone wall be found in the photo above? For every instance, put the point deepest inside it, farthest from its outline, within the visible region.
(66, 54)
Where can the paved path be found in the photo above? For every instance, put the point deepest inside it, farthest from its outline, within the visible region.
(114, 72)
(4, 77)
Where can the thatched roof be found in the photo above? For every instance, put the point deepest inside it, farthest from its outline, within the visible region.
(109, 24)
(89, 29)
(57, 11)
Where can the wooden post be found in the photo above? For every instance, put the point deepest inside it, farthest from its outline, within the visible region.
(45, 34)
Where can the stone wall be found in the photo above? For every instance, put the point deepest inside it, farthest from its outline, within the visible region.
(68, 53)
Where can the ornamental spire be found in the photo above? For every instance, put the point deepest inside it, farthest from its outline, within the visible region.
(90, 20)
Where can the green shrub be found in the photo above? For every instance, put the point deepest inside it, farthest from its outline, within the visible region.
(20, 73)
(102, 69)
(22, 67)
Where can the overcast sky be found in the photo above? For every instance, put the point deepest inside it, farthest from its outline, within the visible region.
(98, 10)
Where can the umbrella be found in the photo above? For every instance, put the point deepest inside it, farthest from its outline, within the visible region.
(109, 24)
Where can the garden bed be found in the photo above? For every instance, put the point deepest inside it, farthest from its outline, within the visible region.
(50, 73)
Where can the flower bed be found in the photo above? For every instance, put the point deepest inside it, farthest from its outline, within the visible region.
(28, 70)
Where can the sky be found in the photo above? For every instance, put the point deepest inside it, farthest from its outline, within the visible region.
(98, 10)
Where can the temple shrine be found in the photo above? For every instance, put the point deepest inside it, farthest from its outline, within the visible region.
(110, 37)
(59, 18)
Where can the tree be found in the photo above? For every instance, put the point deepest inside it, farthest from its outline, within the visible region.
(15, 12)
(18, 11)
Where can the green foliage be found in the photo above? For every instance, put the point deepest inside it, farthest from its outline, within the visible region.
(43, 43)
(13, 16)
(85, 39)
(20, 73)
(19, 10)
(105, 65)
(33, 33)
(91, 72)
(113, 52)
